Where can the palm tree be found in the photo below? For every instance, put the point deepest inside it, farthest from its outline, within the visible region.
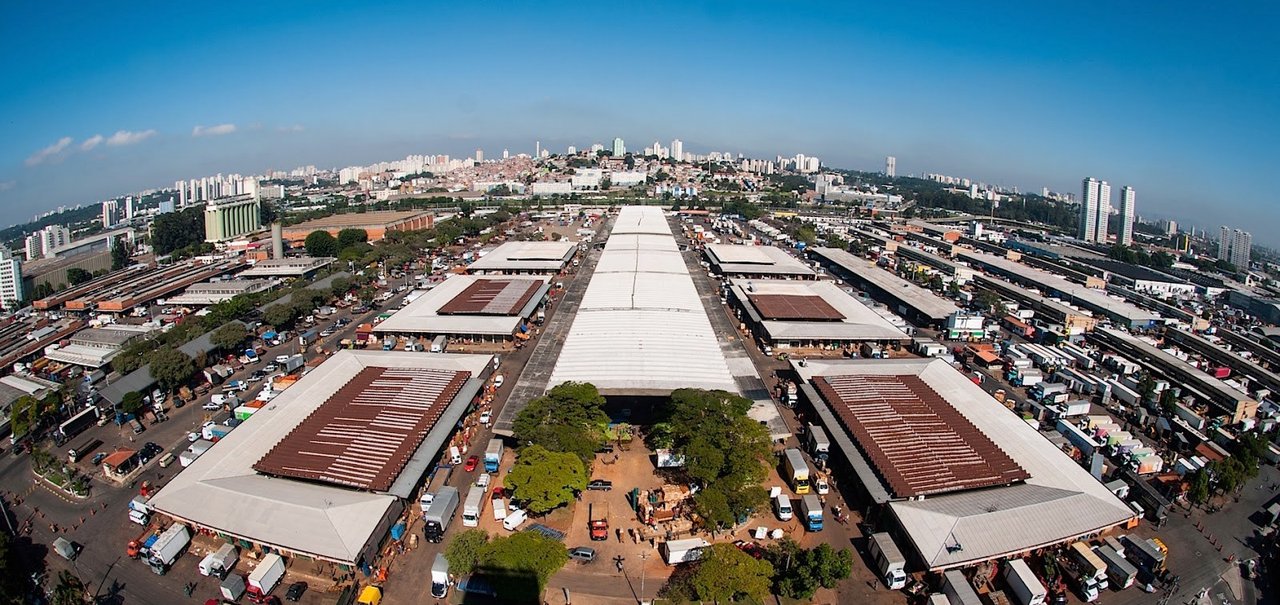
(69, 591)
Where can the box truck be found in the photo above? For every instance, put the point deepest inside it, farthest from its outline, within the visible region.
(797, 470)
(440, 513)
(440, 577)
(168, 547)
(1121, 572)
(811, 509)
(819, 445)
(493, 455)
(267, 575)
(472, 508)
(889, 560)
(1024, 584)
(220, 562)
(682, 551)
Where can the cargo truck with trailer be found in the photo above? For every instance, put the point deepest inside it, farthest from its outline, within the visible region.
(440, 513)
(889, 560)
(797, 470)
(1024, 584)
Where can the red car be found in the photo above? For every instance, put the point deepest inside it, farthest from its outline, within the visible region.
(751, 548)
(472, 462)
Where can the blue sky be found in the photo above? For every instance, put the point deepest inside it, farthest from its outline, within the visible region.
(1175, 99)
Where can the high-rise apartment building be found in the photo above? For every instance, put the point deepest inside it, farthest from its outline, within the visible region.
(1127, 214)
(479, 156)
(40, 243)
(128, 208)
(110, 214)
(677, 150)
(891, 166)
(619, 147)
(10, 280)
(1095, 210)
(1234, 246)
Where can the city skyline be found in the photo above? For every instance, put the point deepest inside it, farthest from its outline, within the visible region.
(173, 104)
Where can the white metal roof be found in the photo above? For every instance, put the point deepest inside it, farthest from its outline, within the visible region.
(526, 256)
(422, 315)
(1050, 281)
(1061, 500)
(732, 259)
(860, 321)
(921, 299)
(290, 266)
(220, 490)
(641, 327)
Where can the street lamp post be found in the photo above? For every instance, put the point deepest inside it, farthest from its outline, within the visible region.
(644, 556)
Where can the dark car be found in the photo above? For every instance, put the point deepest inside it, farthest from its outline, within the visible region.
(295, 591)
(472, 462)
(600, 485)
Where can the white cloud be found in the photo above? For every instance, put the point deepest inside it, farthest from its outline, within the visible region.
(91, 142)
(7, 185)
(209, 131)
(51, 151)
(294, 128)
(126, 137)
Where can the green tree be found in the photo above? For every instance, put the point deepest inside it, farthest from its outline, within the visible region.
(171, 367)
(267, 213)
(725, 451)
(725, 574)
(545, 480)
(174, 231)
(513, 560)
(321, 243)
(69, 590)
(229, 337)
(466, 551)
(279, 315)
(569, 418)
(77, 276)
(1201, 487)
(350, 237)
(340, 286)
(119, 254)
(799, 572)
(131, 403)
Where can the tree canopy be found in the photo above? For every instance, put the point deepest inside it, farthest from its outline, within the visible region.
(545, 480)
(466, 550)
(321, 243)
(171, 367)
(173, 231)
(569, 418)
(131, 403)
(800, 572)
(725, 451)
(520, 564)
(229, 337)
(77, 276)
(350, 237)
(723, 574)
(279, 315)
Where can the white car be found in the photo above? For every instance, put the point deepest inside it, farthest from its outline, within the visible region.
(485, 417)
(282, 359)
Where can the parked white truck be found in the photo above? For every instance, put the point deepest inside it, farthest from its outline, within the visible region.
(168, 547)
(889, 560)
(1025, 585)
(267, 575)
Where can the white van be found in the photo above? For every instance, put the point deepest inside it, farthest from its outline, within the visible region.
(782, 507)
(455, 457)
(514, 519)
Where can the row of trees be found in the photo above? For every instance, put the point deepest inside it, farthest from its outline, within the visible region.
(1229, 474)
(558, 435)
(725, 574)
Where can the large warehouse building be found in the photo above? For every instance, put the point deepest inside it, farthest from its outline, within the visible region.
(757, 262)
(918, 305)
(525, 258)
(958, 477)
(471, 309)
(808, 315)
(323, 471)
(641, 328)
(375, 224)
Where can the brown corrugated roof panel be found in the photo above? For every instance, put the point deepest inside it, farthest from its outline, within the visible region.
(917, 441)
(492, 297)
(794, 307)
(364, 434)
